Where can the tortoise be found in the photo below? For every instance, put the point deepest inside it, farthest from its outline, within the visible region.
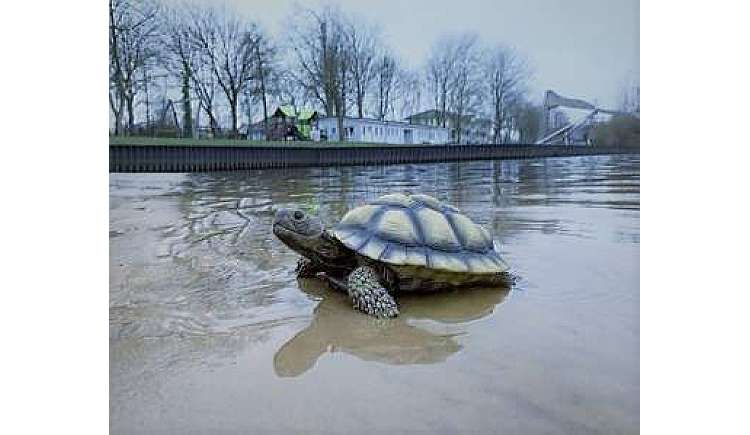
(397, 243)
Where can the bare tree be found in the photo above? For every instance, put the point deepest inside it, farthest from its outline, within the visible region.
(309, 42)
(117, 9)
(204, 84)
(226, 46)
(263, 87)
(528, 121)
(439, 73)
(323, 60)
(451, 63)
(387, 75)
(341, 61)
(507, 73)
(464, 94)
(362, 43)
(264, 56)
(180, 59)
(133, 29)
(147, 78)
(408, 93)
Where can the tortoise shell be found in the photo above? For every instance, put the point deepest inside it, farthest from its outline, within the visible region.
(419, 230)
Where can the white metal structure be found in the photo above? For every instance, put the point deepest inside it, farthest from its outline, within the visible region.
(579, 117)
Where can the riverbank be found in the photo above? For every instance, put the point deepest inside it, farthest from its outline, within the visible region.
(235, 143)
(137, 154)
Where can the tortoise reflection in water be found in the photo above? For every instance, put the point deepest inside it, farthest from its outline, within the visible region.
(397, 243)
(426, 333)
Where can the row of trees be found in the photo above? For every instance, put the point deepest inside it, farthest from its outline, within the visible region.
(221, 68)
(209, 52)
(466, 78)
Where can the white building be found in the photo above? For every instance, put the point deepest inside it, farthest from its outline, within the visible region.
(375, 131)
(474, 130)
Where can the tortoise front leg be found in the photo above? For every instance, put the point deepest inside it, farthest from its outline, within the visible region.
(368, 295)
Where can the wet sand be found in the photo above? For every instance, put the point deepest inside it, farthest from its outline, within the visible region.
(211, 331)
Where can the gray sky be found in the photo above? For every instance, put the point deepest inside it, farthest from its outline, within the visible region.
(579, 48)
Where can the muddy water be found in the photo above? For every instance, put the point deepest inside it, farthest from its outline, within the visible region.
(210, 330)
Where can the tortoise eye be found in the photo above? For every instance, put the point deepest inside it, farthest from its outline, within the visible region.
(298, 215)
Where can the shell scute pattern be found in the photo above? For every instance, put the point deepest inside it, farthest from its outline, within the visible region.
(397, 225)
(472, 236)
(438, 233)
(360, 215)
(419, 230)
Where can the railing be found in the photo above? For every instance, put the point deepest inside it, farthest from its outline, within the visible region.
(179, 158)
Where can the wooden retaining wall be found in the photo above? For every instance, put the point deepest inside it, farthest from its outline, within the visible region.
(157, 158)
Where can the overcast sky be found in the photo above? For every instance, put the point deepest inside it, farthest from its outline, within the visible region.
(579, 48)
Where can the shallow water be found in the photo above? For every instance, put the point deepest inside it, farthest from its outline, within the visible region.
(210, 330)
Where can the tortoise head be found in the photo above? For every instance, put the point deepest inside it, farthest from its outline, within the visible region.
(304, 233)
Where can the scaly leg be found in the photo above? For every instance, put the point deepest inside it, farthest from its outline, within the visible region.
(368, 295)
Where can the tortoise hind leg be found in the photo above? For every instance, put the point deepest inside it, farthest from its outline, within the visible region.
(368, 295)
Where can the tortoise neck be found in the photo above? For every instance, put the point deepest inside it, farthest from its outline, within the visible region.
(333, 254)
